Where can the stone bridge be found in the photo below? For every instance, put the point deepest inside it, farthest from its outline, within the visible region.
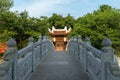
(39, 61)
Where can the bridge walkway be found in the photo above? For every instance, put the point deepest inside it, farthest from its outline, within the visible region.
(59, 66)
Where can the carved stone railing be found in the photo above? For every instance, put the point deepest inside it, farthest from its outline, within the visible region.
(20, 64)
(99, 64)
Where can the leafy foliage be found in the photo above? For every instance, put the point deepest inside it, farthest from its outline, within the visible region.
(104, 22)
(5, 4)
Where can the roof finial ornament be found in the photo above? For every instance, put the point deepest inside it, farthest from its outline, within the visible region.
(65, 28)
(53, 28)
(49, 29)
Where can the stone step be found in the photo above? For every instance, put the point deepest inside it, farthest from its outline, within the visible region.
(59, 66)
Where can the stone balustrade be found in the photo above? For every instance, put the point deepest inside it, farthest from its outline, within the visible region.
(99, 64)
(20, 64)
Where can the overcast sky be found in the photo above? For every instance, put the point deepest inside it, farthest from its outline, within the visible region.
(76, 8)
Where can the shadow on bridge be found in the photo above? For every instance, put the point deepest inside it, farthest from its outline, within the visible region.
(59, 66)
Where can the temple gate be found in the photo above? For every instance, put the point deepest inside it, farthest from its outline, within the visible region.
(59, 38)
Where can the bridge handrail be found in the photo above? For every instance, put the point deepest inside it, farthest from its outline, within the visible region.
(23, 52)
(95, 51)
(99, 64)
(20, 64)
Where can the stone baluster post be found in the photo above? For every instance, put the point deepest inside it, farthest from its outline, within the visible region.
(107, 55)
(31, 43)
(79, 38)
(75, 42)
(46, 43)
(108, 52)
(87, 42)
(44, 39)
(10, 55)
(40, 40)
(79, 46)
(71, 39)
(70, 45)
(43, 45)
(47, 37)
(75, 38)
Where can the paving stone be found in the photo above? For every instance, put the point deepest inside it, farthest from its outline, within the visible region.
(59, 66)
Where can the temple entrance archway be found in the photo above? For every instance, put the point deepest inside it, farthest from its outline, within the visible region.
(59, 38)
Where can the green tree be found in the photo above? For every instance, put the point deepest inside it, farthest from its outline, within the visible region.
(69, 21)
(104, 22)
(6, 4)
(57, 21)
